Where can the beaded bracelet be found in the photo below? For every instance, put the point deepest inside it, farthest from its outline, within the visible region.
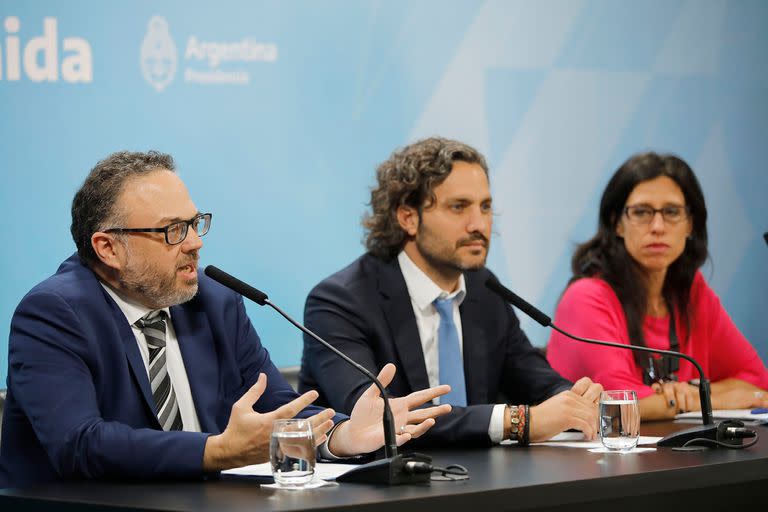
(519, 417)
(514, 421)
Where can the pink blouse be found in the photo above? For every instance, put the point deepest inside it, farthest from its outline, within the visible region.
(590, 308)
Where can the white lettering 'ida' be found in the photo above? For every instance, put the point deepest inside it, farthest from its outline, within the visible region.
(39, 58)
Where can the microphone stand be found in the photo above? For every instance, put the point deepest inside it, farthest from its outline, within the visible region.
(677, 439)
(395, 468)
(704, 393)
(392, 469)
(709, 431)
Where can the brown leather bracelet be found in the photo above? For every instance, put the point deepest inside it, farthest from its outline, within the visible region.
(526, 440)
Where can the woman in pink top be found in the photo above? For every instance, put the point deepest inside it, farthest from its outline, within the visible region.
(638, 279)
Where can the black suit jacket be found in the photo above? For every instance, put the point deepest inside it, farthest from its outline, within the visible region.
(365, 311)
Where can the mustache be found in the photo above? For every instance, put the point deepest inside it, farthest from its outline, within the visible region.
(474, 237)
(193, 259)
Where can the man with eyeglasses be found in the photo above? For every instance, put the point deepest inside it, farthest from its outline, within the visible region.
(127, 363)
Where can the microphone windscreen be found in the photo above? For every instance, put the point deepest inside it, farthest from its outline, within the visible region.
(520, 303)
(237, 285)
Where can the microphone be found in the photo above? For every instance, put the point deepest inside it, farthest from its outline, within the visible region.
(394, 468)
(708, 432)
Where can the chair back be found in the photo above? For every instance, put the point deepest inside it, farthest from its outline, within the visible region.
(2, 406)
(291, 374)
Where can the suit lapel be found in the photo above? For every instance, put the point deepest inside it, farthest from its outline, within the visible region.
(398, 311)
(200, 361)
(135, 361)
(475, 349)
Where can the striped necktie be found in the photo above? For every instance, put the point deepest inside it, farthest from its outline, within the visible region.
(451, 367)
(166, 405)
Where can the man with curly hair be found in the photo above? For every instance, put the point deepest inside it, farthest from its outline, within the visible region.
(418, 298)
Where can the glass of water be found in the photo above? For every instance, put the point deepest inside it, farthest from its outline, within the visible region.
(619, 420)
(292, 453)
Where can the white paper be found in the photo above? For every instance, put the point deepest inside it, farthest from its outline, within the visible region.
(576, 440)
(314, 484)
(637, 449)
(726, 414)
(323, 470)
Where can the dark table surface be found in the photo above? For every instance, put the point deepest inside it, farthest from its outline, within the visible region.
(501, 478)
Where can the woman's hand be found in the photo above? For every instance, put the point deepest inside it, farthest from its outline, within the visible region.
(739, 398)
(679, 396)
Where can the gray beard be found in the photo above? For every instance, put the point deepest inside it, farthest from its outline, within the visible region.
(155, 290)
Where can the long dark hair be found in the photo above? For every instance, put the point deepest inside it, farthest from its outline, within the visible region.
(605, 255)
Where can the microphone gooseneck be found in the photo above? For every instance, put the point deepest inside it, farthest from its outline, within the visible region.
(706, 405)
(261, 298)
(395, 468)
(390, 444)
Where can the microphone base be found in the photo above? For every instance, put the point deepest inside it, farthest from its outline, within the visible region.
(711, 436)
(389, 471)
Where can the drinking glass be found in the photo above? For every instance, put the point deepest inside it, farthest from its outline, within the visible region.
(619, 420)
(292, 453)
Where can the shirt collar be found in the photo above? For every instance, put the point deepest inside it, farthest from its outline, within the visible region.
(132, 310)
(422, 289)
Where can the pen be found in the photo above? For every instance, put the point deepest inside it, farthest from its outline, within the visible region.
(761, 410)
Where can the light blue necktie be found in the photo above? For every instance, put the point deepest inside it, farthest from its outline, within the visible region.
(450, 361)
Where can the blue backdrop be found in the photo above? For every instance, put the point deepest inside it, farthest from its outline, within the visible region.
(278, 113)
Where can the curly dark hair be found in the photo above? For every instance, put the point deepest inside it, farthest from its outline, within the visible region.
(605, 255)
(93, 207)
(409, 177)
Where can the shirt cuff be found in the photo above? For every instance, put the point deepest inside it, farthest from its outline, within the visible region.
(496, 426)
(325, 455)
(324, 449)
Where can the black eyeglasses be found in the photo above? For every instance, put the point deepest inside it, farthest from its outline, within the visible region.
(644, 214)
(175, 232)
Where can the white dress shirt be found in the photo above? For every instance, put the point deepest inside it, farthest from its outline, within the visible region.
(176, 370)
(423, 292)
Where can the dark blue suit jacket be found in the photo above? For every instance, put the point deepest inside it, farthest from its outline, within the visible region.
(365, 311)
(79, 402)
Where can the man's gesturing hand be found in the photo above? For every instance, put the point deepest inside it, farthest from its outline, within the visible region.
(246, 438)
(364, 433)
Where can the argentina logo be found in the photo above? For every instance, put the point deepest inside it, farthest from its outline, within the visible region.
(158, 54)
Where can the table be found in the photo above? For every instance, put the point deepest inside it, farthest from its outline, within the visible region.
(502, 478)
